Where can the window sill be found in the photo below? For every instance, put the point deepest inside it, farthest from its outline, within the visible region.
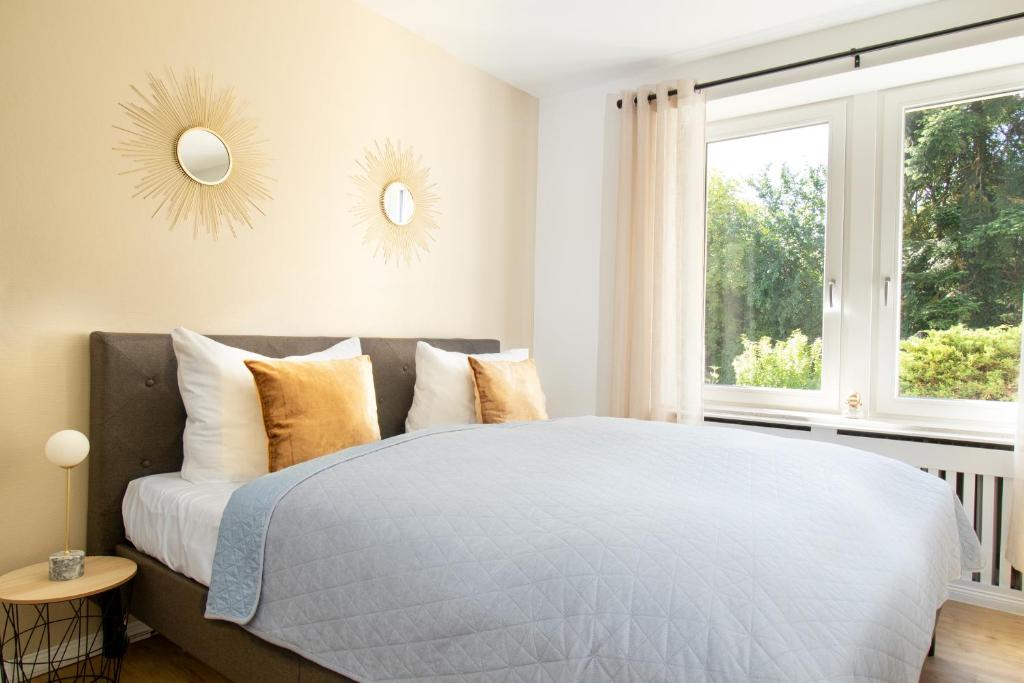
(944, 430)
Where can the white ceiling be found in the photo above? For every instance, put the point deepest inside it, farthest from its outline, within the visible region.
(542, 45)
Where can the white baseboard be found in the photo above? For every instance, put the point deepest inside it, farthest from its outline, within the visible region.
(987, 596)
(35, 663)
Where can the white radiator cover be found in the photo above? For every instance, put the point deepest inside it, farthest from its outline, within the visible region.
(981, 477)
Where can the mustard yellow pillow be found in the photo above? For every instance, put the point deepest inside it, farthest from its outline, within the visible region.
(507, 391)
(315, 408)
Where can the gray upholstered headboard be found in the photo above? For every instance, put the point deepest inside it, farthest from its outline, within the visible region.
(137, 418)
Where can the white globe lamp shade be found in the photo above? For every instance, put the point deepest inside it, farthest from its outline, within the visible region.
(67, 448)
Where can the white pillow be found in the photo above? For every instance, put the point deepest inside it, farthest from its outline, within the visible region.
(444, 386)
(224, 437)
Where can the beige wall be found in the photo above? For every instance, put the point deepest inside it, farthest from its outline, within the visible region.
(325, 79)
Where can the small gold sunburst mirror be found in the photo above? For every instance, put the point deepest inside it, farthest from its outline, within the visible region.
(397, 202)
(198, 157)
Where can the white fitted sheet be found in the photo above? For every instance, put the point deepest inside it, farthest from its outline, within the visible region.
(176, 521)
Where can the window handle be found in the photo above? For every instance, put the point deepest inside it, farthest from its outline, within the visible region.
(885, 291)
(831, 294)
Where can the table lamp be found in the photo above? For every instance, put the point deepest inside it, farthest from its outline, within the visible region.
(67, 449)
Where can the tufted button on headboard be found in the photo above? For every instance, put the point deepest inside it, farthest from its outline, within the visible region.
(137, 417)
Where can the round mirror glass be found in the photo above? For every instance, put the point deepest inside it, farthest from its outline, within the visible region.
(204, 156)
(398, 203)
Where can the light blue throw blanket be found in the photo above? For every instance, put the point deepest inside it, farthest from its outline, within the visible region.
(238, 563)
(594, 549)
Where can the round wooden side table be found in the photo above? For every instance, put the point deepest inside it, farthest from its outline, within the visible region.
(84, 641)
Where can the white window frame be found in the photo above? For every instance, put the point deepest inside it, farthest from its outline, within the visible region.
(886, 402)
(826, 399)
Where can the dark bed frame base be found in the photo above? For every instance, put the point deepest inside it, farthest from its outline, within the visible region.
(935, 630)
(173, 605)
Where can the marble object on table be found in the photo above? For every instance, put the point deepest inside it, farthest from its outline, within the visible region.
(67, 565)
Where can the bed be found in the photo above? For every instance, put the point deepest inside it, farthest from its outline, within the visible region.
(136, 424)
(578, 549)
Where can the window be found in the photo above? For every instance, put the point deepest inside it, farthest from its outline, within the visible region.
(769, 288)
(766, 197)
(962, 256)
(953, 227)
(872, 245)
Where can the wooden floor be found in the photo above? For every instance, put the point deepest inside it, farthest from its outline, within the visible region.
(157, 660)
(975, 645)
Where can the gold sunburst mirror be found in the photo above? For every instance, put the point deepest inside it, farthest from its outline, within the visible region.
(397, 203)
(198, 157)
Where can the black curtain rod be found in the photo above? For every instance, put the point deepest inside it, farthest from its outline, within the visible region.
(854, 52)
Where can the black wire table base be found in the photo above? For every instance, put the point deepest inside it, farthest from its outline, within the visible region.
(87, 644)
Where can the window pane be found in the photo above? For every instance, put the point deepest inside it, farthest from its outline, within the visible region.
(766, 202)
(963, 249)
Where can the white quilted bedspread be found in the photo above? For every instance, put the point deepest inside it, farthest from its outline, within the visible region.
(595, 549)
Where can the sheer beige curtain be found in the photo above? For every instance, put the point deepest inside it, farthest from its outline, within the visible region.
(658, 345)
(1015, 544)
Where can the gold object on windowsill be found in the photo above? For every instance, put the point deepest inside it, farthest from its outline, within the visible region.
(854, 406)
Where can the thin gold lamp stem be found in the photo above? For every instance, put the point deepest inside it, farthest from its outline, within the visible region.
(67, 515)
